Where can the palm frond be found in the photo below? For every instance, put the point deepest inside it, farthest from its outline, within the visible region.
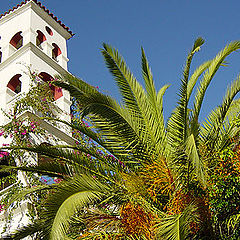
(67, 209)
(198, 165)
(195, 76)
(215, 121)
(134, 95)
(155, 100)
(177, 227)
(78, 83)
(20, 195)
(41, 169)
(130, 89)
(177, 124)
(120, 132)
(68, 162)
(209, 74)
(69, 197)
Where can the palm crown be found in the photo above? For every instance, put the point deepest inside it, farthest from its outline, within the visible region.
(145, 178)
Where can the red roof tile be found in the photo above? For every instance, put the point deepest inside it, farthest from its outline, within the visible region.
(41, 6)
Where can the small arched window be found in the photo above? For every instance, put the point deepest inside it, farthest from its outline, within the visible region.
(17, 40)
(49, 30)
(15, 84)
(0, 56)
(40, 38)
(56, 51)
(57, 92)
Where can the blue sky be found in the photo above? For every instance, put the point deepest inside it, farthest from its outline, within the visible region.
(165, 28)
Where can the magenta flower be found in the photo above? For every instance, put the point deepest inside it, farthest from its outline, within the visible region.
(5, 153)
(58, 180)
(24, 132)
(2, 207)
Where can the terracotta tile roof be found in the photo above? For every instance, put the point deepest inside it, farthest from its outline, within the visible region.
(41, 6)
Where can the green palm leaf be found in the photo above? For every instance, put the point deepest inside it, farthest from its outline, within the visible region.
(209, 74)
(155, 100)
(177, 124)
(195, 76)
(119, 129)
(67, 209)
(18, 196)
(69, 197)
(177, 227)
(134, 95)
(212, 127)
(195, 160)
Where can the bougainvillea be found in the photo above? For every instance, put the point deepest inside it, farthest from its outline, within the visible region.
(21, 131)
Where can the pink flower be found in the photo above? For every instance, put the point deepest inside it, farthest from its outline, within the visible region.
(5, 153)
(58, 180)
(24, 133)
(2, 207)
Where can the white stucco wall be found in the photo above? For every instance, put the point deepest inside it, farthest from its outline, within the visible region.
(28, 19)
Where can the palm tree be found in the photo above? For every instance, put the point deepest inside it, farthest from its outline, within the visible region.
(144, 179)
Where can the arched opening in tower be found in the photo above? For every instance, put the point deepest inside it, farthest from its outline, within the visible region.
(0, 56)
(49, 30)
(57, 92)
(40, 38)
(17, 40)
(56, 51)
(15, 84)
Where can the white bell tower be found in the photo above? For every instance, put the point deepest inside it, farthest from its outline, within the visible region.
(32, 36)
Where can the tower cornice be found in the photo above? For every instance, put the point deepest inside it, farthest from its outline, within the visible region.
(38, 52)
(42, 11)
